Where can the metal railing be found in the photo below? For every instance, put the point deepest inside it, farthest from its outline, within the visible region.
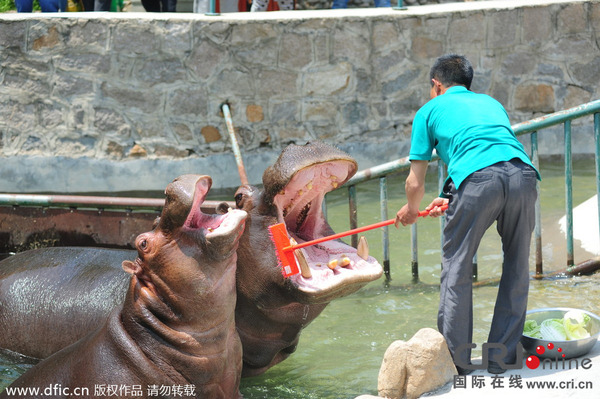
(531, 127)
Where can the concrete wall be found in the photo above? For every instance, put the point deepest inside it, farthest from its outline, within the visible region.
(128, 101)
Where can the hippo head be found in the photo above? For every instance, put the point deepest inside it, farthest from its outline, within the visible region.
(188, 252)
(294, 190)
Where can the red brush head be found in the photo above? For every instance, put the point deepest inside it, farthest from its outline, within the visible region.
(286, 258)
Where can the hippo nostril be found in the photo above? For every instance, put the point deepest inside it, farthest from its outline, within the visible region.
(222, 208)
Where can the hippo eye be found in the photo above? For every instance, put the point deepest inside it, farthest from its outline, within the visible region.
(238, 200)
(143, 244)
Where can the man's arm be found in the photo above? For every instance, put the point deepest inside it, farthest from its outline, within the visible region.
(415, 190)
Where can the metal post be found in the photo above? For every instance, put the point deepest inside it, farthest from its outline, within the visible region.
(385, 230)
(535, 158)
(234, 143)
(569, 193)
(441, 180)
(597, 135)
(212, 8)
(353, 213)
(414, 253)
(399, 6)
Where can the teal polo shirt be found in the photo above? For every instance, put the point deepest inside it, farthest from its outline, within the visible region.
(469, 131)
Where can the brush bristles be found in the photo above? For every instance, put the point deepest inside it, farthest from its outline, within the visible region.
(286, 260)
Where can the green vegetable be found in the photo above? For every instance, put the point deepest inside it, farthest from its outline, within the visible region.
(553, 330)
(575, 323)
(531, 329)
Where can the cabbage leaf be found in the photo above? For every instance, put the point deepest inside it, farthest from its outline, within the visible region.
(553, 330)
(532, 329)
(575, 323)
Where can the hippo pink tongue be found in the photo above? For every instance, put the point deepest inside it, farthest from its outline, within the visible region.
(213, 225)
(300, 207)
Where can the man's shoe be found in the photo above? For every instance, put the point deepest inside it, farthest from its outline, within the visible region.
(462, 371)
(494, 368)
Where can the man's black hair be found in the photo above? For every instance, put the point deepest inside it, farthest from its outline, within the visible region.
(452, 70)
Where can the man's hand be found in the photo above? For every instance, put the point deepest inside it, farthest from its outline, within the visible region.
(434, 207)
(406, 216)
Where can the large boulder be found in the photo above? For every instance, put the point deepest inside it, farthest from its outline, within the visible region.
(414, 367)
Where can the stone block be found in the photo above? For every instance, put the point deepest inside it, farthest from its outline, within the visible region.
(595, 16)
(586, 73)
(295, 51)
(51, 115)
(319, 112)
(205, 59)
(351, 45)
(130, 37)
(159, 71)
(276, 82)
(384, 34)
(68, 85)
(420, 365)
(87, 63)
(13, 34)
(191, 100)
(388, 64)
(576, 96)
(467, 29)
(210, 134)
(177, 37)
(250, 34)
(321, 49)
(503, 28)
(263, 55)
(254, 113)
(424, 48)
(144, 100)
(572, 19)
(355, 112)
(534, 98)
(170, 151)
(45, 37)
(183, 132)
(232, 81)
(519, 63)
(108, 120)
(28, 85)
(327, 80)
(536, 25)
(89, 34)
(283, 111)
(401, 83)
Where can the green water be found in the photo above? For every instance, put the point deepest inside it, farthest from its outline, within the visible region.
(340, 353)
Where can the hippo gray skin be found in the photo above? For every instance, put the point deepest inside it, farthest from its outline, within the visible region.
(176, 325)
(39, 287)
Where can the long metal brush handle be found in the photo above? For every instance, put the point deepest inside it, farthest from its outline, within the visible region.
(351, 232)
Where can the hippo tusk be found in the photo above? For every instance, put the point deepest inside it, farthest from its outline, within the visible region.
(362, 249)
(304, 268)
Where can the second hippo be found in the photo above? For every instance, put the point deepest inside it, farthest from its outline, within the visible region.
(175, 327)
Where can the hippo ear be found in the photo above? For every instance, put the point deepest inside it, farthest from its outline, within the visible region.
(130, 267)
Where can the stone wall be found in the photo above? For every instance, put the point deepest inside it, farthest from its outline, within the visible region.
(128, 101)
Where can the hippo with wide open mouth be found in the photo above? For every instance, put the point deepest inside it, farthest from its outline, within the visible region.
(272, 310)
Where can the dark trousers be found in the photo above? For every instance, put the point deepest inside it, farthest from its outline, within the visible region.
(160, 5)
(504, 193)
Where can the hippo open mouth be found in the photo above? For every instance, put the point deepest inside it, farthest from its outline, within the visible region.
(332, 268)
(219, 233)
